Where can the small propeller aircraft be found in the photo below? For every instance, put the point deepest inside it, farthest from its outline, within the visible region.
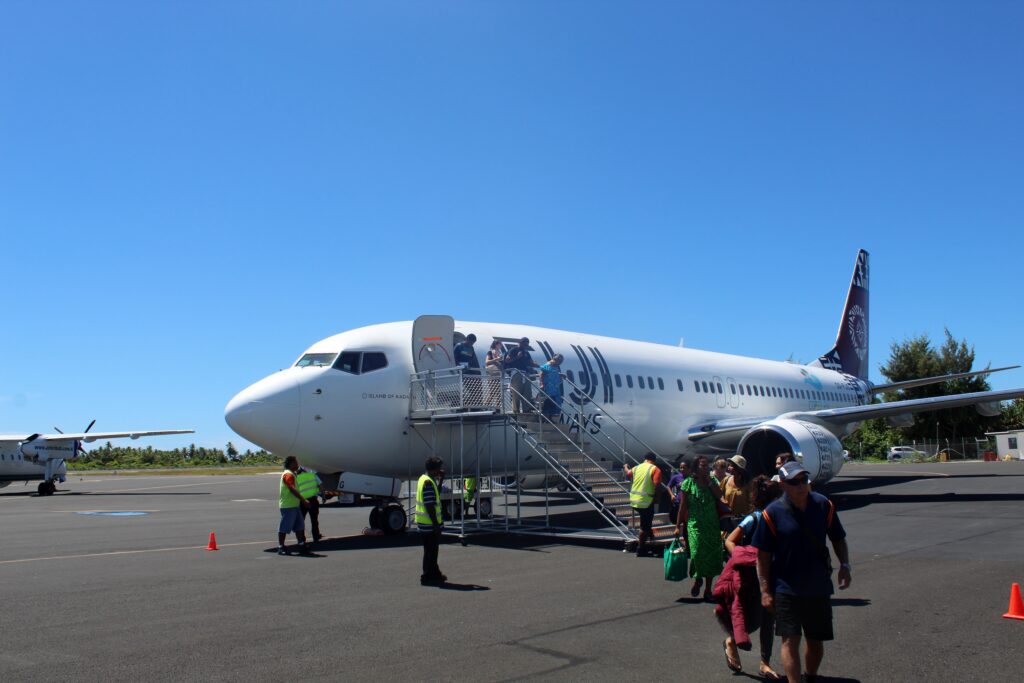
(43, 457)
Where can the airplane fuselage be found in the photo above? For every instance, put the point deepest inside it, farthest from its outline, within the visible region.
(335, 420)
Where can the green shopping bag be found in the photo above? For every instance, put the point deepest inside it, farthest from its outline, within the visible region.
(677, 558)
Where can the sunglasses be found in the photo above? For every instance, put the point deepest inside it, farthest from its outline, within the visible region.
(799, 481)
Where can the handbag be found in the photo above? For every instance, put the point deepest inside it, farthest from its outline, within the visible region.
(677, 559)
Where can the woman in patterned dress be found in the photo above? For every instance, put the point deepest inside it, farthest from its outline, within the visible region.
(698, 509)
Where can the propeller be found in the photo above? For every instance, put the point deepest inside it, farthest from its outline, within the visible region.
(78, 444)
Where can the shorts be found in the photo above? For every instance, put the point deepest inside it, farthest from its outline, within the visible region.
(646, 518)
(291, 520)
(811, 615)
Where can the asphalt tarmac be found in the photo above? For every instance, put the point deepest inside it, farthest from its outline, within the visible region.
(99, 597)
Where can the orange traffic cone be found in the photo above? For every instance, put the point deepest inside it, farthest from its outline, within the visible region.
(212, 545)
(1016, 608)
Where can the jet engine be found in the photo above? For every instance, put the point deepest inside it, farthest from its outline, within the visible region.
(816, 448)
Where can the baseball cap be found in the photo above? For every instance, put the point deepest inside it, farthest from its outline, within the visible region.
(791, 470)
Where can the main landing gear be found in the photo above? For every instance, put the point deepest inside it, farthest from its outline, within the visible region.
(388, 516)
(46, 488)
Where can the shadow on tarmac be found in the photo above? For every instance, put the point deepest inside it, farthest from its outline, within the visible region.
(463, 587)
(853, 502)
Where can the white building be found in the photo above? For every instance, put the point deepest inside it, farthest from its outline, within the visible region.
(1009, 443)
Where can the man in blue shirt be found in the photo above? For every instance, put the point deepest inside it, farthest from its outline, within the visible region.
(795, 570)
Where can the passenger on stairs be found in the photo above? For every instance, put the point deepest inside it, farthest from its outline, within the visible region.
(494, 363)
(698, 510)
(519, 365)
(646, 477)
(551, 383)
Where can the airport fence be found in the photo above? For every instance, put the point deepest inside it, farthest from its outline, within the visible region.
(964, 448)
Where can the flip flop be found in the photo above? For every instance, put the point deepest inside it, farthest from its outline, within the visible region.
(737, 667)
(770, 674)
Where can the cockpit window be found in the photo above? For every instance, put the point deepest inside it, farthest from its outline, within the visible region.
(348, 361)
(374, 361)
(315, 360)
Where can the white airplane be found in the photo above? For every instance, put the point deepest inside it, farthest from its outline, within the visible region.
(344, 405)
(43, 457)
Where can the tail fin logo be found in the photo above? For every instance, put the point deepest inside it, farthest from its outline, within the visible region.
(857, 327)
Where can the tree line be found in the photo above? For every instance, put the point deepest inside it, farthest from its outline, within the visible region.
(109, 456)
(917, 357)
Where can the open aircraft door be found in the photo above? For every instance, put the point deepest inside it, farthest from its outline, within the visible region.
(432, 337)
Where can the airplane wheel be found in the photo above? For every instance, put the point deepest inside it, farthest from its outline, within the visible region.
(51, 488)
(392, 519)
(485, 508)
(375, 516)
(42, 489)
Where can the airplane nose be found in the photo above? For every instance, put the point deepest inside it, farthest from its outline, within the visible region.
(267, 413)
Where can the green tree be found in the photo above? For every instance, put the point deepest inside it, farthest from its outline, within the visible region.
(231, 451)
(1013, 415)
(915, 358)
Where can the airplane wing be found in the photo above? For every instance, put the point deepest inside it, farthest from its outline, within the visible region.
(842, 416)
(911, 383)
(89, 437)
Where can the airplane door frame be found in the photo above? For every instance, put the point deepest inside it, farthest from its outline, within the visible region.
(720, 397)
(734, 398)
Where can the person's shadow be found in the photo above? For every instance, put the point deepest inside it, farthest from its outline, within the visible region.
(449, 586)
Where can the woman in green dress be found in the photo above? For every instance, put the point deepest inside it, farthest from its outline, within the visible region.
(698, 508)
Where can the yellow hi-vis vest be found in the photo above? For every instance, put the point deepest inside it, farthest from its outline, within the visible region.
(641, 495)
(468, 489)
(286, 499)
(305, 482)
(421, 508)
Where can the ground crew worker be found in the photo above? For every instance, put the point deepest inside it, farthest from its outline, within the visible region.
(308, 485)
(646, 478)
(470, 489)
(428, 519)
(290, 503)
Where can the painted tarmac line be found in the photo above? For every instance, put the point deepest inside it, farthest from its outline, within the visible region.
(132, 552)
(169, 486)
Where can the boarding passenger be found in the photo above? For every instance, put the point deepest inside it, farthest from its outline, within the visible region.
(765, 491)
(428, 519)
(290, 502)
(698, 510)
(737, 492)
(720, 470)
(675, 485)
(794, 568)
(465, 355)
(551, 383)
(519, 365)
(646, 477)
(780, 460)
(308, 485)
(493, 364)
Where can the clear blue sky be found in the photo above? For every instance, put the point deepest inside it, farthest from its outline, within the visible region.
(191, 193)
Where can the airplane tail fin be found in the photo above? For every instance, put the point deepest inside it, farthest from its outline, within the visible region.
(850, 353)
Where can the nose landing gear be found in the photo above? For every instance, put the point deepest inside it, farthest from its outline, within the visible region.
(46, 488)
(389, 517)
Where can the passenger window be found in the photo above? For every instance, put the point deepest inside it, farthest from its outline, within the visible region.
(696, 385)
(679, 383)
(650, 382)
(618, 381)
(661, 384)
(348, 361)
(732, 388)
(704, 384)
(374, 361)
(741, 390)
(720, 388)
(640, 379)
(629, 381)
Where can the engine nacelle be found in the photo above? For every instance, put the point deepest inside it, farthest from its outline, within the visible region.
(40, 450)
(816, 448)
